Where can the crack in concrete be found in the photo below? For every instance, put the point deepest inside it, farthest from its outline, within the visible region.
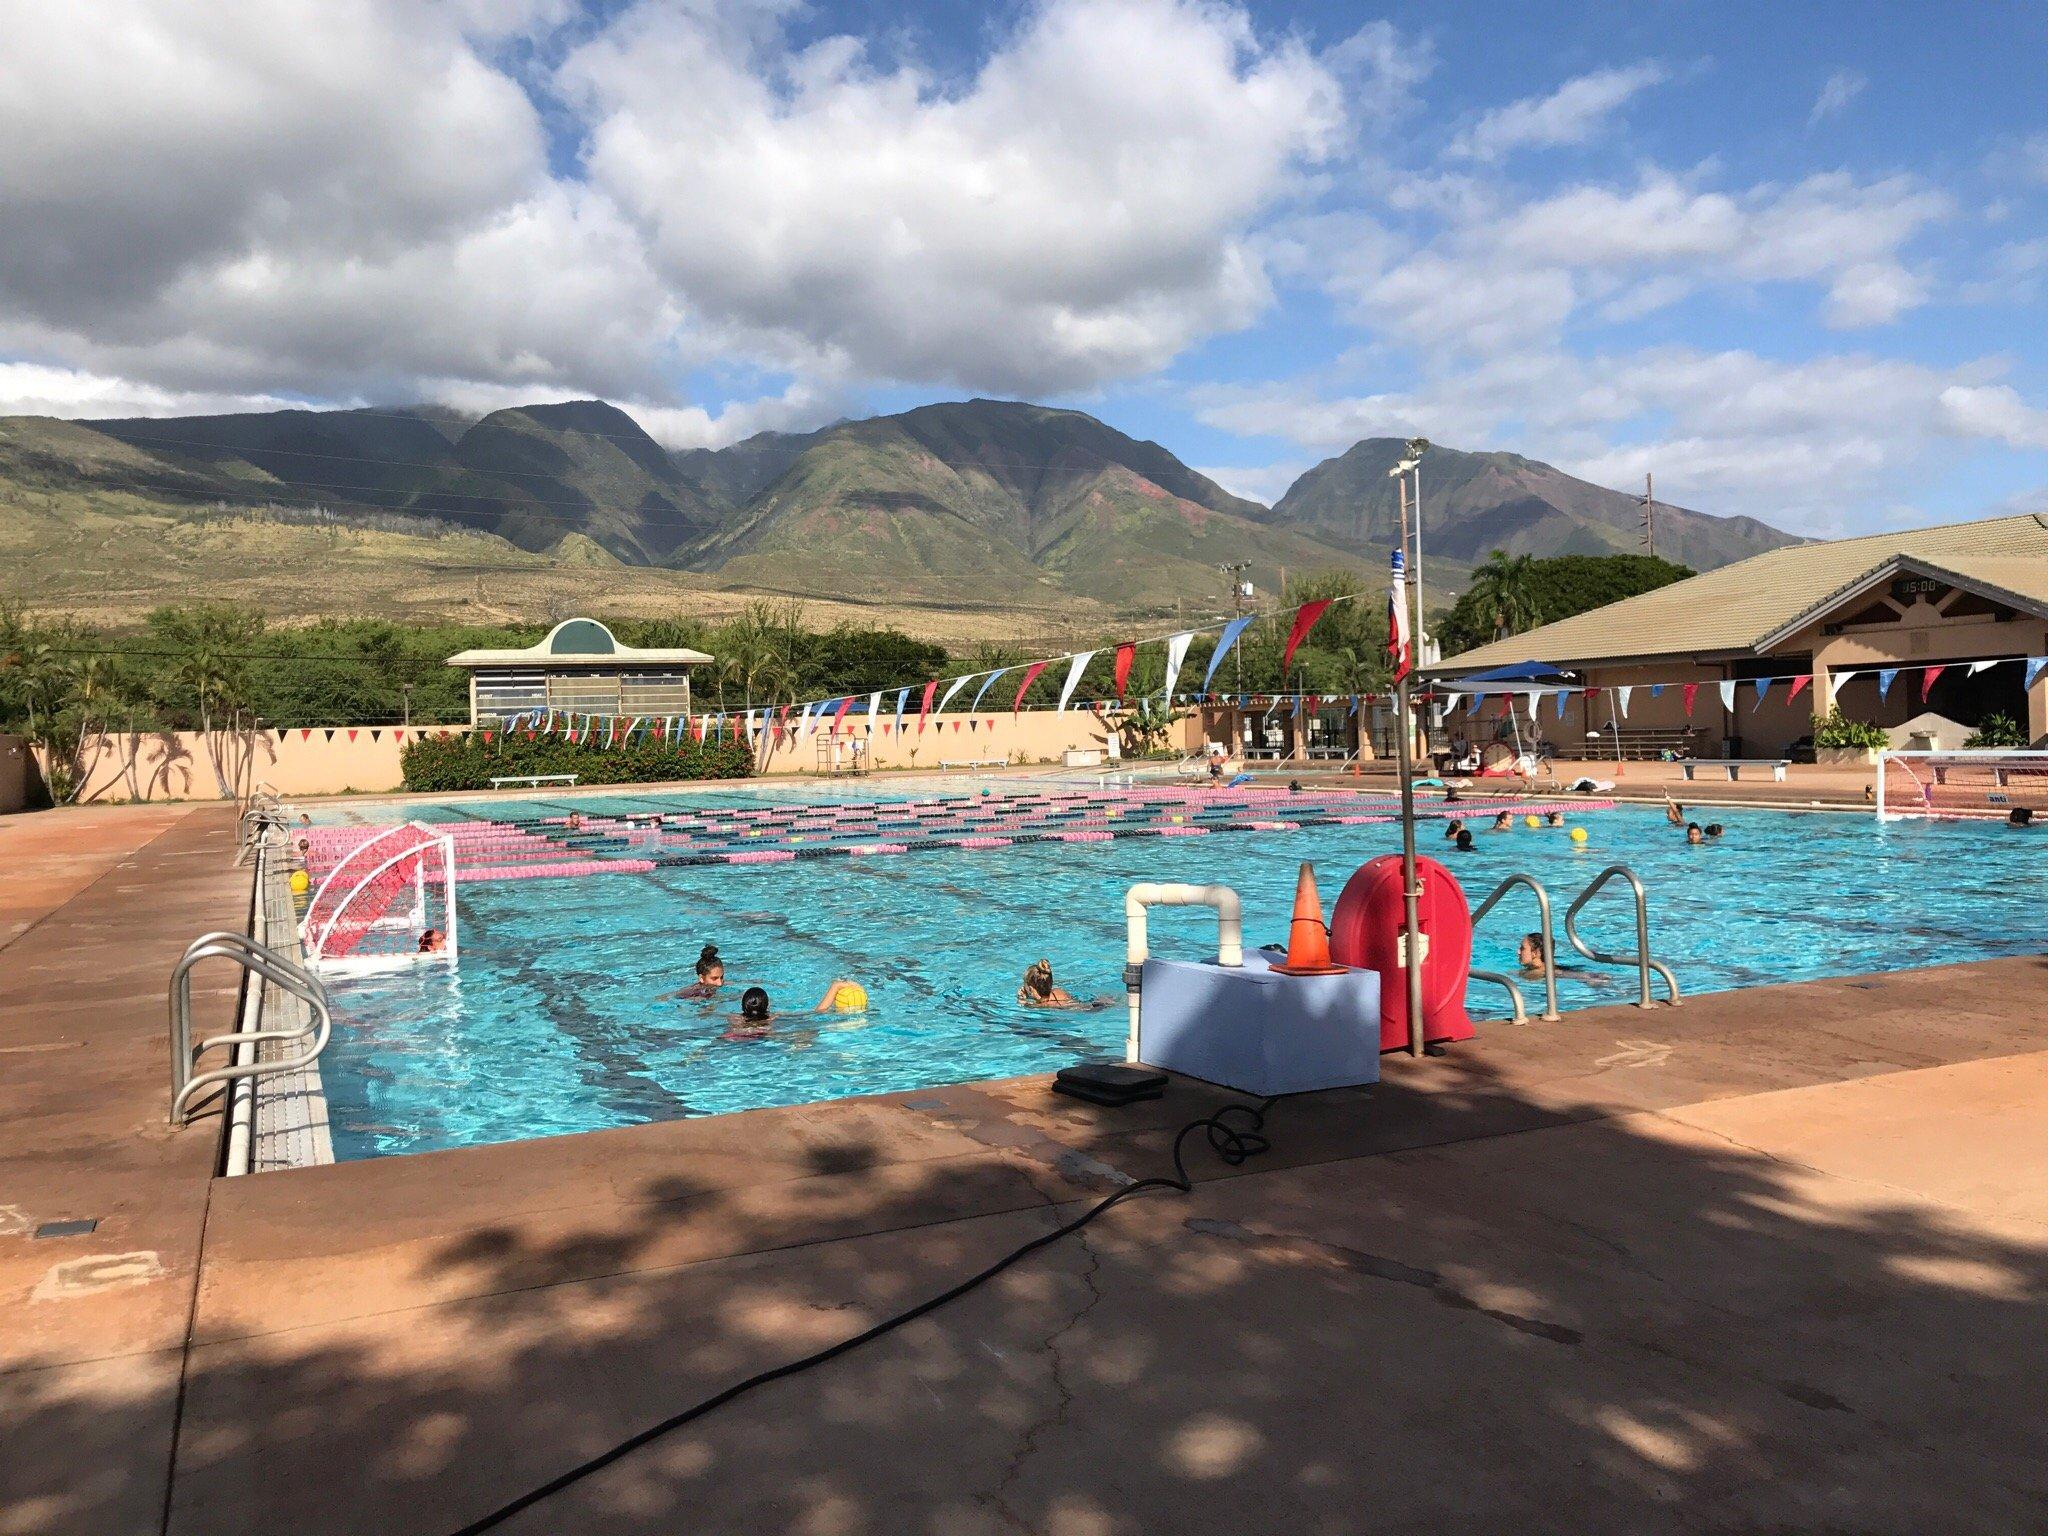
(997, 1499)
(1358, 1261)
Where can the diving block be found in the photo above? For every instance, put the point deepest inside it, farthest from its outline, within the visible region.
(1254, 1030)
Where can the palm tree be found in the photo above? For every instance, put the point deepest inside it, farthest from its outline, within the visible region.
(751, 655)
(1504, 591)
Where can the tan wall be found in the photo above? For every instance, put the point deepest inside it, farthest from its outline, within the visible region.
(178, 765)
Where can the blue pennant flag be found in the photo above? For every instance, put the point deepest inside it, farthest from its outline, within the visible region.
(2036, 665)
(1763, 686)
(1656, 690)
(1228, 638)
(999, 671)
(1885, 678)
(902, 696)
(1561, 695)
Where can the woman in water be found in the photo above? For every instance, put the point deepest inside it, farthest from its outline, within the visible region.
(710, 977)
(1464, 842)
(1504, 822)
(1452, 828)
(1674, 812)
(1041, 991)
(1530, 954)
(756, 1013)
(1695, 833)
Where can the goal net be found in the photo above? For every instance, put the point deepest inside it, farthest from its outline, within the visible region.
(1981, 783)
(390, 903)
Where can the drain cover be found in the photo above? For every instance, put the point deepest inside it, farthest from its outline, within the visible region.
(78, 1228)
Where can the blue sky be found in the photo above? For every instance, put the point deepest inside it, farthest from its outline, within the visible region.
(1791, 259)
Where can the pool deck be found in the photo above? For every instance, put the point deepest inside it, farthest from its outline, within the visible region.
(1772, 1261)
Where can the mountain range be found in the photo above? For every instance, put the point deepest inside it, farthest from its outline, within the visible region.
(978, 500)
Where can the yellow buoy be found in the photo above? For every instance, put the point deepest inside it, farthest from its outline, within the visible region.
(301, 882)
(849, 997)
(1578, 834)
(1532, 821)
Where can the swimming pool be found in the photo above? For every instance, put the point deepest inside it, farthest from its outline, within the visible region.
(551, 1025)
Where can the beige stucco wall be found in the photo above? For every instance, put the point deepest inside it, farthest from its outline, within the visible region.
(178, 765)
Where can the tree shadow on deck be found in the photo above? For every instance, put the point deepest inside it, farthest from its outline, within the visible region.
(1610, 1325)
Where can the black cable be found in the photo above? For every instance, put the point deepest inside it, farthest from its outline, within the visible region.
(1232, 1143)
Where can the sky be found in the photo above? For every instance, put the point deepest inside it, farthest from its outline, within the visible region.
(1791, 259)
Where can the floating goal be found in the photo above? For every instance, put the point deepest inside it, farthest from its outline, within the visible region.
(1991, 783)
(376, 908)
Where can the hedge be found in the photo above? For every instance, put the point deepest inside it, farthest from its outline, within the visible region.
(433, 763)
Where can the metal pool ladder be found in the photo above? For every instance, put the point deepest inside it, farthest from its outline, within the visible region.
(1641, 958)
(271, 967)
(1550, 1014)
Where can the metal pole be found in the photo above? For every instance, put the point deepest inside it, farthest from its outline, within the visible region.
(1412, 947)
(1422, 655)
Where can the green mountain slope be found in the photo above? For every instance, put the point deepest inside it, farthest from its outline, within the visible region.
(1475, 503)
(981, 492)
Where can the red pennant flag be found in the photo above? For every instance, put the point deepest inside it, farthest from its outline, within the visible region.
(839, 714)
(1798, 686)
(924, 705)
(885, 727)
(1691, 691)
(306, 735)
(399, 734)
(697, 726)
(1030, 676)
(1304, 620)
(490, 735)
(956, 727)
(1927, 681)
(1124, 657)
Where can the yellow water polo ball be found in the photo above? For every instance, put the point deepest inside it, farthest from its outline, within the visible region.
(849, 997)
(1532, 821)
(301, 882)
(1578, 834)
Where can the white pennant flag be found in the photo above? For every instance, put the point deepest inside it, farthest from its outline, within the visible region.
(1621, 699)
(952, 688)
(1074, 671)
(1979, 666)
(1835, 681)
(874, 711)
(1727, 695)
(1176, 653)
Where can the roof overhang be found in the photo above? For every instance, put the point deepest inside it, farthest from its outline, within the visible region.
(1881, 574)
(616, 661)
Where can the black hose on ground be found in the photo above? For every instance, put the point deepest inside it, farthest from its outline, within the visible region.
(1234, 1143)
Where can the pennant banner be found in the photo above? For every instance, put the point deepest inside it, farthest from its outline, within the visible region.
(952, 688)
(1080, 665)
(1927, 681)
(1228, 638)
(924, 704)
(1886, 676)
(1304, 620)
(1727, 695)
(1124, 657)
(999, 671)
(1030, 676)
(1176, 653)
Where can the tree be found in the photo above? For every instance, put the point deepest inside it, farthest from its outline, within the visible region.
(1503, 589)
(749, 655)
(1554, 589)
(210, 645)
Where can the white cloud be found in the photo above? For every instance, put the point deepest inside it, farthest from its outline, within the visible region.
(1840, 88)
(1258, 482)
(1795, 443)
(35, 389)
(1064, 217)
(1997, 412)
(1571, 114)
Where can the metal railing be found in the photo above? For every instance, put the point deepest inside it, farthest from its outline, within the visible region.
(1641, 958)
(269, 966)
(1550, 1014)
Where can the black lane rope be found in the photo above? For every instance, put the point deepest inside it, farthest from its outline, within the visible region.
(1234, 1143)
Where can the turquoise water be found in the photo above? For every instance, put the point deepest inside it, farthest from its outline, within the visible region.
(552, 1025)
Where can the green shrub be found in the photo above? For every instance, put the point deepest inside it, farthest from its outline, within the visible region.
(439, 763)
(1838, 730)
(1997, 731)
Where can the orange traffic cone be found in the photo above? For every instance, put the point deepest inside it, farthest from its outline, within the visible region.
(1308, 940)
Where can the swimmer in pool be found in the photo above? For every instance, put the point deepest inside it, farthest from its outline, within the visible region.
(756, 1013)
(1464, 842)
(1714, 829)
(1530, 954)
(433, 941)
(1504, 822)
(1452, 828)
(2019, 818)
(1695, 833)
(1041, 991)
(1554, 819)
(710, 977)
(1674, 812)
(575, 822)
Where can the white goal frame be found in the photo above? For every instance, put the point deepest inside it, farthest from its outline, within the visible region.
(1987, 756)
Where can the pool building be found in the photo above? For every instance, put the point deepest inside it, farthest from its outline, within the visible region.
(580, 668)
(1929, 605)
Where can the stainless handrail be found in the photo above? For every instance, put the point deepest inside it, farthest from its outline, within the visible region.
(260, 961)
(1514, 991)
(1550, 1013)
(1641, 958)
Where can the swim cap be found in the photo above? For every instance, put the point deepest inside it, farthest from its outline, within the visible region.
(1578, 834)
(849, 997)
(301, 882)
(1532, 821)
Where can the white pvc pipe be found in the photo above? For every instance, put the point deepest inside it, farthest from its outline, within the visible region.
(1229, 932)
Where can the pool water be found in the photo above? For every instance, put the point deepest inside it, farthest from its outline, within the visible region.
(553, 1022)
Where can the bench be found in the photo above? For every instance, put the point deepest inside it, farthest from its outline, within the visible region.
(974, 762)
(1733, 766)
(534, 780)
(1642, 743)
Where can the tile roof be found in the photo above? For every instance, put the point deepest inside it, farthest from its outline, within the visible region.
(1734, 609)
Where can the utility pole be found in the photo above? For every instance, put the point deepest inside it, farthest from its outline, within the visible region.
(1649, 506)
(1240, 590)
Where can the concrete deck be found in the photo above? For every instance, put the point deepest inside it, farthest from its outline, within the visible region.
(1772, 1261)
